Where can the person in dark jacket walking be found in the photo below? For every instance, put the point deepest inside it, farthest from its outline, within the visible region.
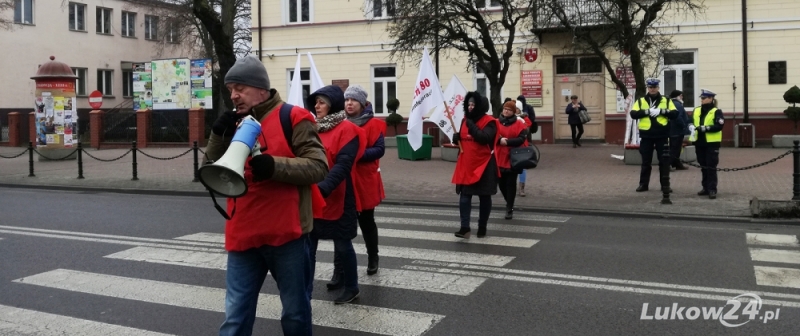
(476, 170)
(654, 113)
(574, 120)
(513, 133)
(678, 128)
(344, 144)
(707, 122)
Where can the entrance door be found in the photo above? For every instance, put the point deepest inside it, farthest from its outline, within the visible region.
(581, 76)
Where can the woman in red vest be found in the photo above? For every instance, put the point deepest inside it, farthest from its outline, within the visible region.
(476, 169)
(344, 145)
(512, 133)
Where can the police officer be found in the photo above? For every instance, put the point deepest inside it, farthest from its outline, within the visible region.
(653, 111)
(708, 121)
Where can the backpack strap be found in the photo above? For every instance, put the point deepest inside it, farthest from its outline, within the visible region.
(286, 122)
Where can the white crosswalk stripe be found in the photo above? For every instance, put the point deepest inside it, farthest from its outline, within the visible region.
(18, 321)
(446, 212)
(787, 252)
(205, 250)
(384, 321)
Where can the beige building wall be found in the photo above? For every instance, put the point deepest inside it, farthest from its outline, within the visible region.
(27, 46)
(345, 46)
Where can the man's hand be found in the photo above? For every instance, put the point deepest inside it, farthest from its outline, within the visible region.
(263, 167)
(654, 112)
(702, 128)
(225, 124)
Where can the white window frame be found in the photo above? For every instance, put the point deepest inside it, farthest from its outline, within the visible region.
(477, 75)
(303, 83)
(127, 83)
(379, 106)
(369, 7)
(287, 17)
(679, 76)
(74, 23)
(172, 32)
(23, 10)
(80, 85)
(106, 82)
(128, 28)
(149, 30)
(489, 5)
(106, 13)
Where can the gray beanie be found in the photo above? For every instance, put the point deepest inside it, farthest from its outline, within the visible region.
(248, 71)
(358, 93)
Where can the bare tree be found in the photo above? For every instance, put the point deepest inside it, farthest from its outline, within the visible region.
(630, 27)
(6, 23)
(459, 28)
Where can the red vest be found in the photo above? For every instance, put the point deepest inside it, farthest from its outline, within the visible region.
(334, 140)
(473, 161)
(368, 182)
(511, 131)
(269, 213)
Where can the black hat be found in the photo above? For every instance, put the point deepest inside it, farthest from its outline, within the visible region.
(676, 94)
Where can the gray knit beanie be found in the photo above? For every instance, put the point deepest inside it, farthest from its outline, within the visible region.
(358, 93)
(248, 71)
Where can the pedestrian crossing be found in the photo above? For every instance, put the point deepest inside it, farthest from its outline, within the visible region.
(775, 249)
(204, 251)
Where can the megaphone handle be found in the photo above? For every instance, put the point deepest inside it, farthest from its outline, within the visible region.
(220, 209)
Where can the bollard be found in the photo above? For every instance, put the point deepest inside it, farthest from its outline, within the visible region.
(796, 175)
(663, 168)
(30, 159)
(196, 165)
(80, 160)
(135, 173)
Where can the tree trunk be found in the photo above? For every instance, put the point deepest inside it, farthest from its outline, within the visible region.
(223, 44)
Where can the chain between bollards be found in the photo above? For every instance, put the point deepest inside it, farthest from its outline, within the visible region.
(133, 151)
(30, 159)
(196, 165)
(796, 174)
(663, 167)
(80, 160)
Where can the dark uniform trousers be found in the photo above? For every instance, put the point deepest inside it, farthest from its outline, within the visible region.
(708, 156)
(646, 146)
(675, 146)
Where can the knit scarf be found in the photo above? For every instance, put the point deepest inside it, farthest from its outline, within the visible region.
(505, 121)
(362, 118)
(330, 121)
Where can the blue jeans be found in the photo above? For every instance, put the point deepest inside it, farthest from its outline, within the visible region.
(465, 208)
(290, 266)
(344, 254)
(523, 176)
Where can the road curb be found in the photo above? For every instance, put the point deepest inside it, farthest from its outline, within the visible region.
(435, 204)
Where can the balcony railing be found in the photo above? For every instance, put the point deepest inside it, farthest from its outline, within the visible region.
(579, 13)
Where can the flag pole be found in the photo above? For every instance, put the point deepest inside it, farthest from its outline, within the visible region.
(453, 124)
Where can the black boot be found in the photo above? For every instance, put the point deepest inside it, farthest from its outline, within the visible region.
(702, 192)
(642, 187)
(372, 264)
(712, 195)
(337, 280)
(347, 296)
(509, 215)
(463, 233)
(482, 231)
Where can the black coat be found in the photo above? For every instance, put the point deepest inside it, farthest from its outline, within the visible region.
(487, 185)
(573, 114)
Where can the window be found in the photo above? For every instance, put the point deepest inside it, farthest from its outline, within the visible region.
(127, 83)
(128, 24)
(482, 84)
(23, 11)
(77, 16)
(777, 72)
(103, 20)
(382, 8)
(305, 82)
(299, 11)
(172, 32)
(578, 65)
(104, 82)
(483, 3)
(80, 83)
(680, 73)
(151, 27)
(384, 86)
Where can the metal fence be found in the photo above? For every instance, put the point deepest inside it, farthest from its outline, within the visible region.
(169, 126)
(118, 127)
(579, 13)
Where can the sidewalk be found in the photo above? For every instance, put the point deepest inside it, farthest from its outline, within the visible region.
(567, 179)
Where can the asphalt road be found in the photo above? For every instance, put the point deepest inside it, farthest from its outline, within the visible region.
(79, 263)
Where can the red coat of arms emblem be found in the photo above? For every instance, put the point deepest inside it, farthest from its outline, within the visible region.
(531, 54)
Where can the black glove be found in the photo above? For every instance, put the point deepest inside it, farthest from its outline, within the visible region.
(472, 127)
(225, 124)
(263, 167)
(456, 138)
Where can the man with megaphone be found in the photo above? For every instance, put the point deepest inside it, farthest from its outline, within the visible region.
(269, 233)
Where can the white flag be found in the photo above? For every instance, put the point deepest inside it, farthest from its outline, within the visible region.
(296, 90)
(427, 96)
(316, 80)
(448, 116)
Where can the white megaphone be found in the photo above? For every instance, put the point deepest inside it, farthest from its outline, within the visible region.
(226, 175)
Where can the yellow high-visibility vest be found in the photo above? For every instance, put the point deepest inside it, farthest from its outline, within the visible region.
(709, 121)
(642, 104)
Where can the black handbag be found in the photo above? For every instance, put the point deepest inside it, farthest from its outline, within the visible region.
(523, 158)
